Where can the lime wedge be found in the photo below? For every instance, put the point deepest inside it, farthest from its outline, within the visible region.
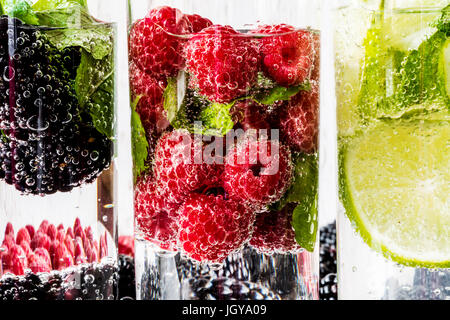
(395, 187)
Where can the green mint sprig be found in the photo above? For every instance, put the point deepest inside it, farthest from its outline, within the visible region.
(139, 142)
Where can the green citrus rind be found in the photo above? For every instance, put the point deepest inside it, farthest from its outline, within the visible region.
(348, 200)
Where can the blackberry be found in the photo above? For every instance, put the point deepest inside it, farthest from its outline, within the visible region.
(48, 143)
(127, 283)
(328, 287)
(328, 249)
(228, 289)
(86, 282)
(328, 265)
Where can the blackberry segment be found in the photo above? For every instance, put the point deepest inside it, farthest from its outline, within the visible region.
(87, 282)
(47, 143)
(328, 287)
(127, 283)
(328, 250)
(228, 289)
(328, 265)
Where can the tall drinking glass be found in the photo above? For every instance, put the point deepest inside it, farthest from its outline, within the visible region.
(393, 110)
(57, 137)
(225, 119)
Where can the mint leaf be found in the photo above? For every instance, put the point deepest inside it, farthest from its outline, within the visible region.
(20, 9)
(443, 24)
(139, 142)
(423, 81)
(305, 223)
(216, 119)
(375, 68)
(303, 192)
(171, 103)
(306, 173)
(69, 14)
(3, 136)
(279, 93)
(95, 39)
(94, 86)
(195, 113)
(42, 5)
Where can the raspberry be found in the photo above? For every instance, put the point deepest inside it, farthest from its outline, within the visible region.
(38, 263)
(212, 227)
(150, 106)
(274, 233)
(257, 171)
(126, 245)
(9, 229)
(287, 54)
(179, 168)
(49, 248)
(23, 235)
(153, 46)
(223, 63)
(155, 217)
(299, 120)
(198, 22)
(250, 115)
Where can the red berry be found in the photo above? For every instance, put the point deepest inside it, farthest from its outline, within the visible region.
(299, 120)
(23, 235)
(198, 22)
(180, 167)
(287, 54)
(153, 44)
(8, 241)
(9, 230)
(51, 231)
(150, 106)
(156, 217)
(126, 245)
(43, 226)
(39, 263)
(211, 227)
(62, 257)
(103, 252)
(257, 171)
(17, 261)
(223, 63)
(40, 240)
(31, 231)
(273, 231)
(26, 248)
(250, 115)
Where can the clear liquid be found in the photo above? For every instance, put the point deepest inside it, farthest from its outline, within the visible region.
(364, 273)
(245, 275)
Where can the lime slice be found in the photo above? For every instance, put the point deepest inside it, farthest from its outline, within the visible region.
(395, 186)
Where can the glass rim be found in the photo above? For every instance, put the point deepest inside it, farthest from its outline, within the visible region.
(21, 25)
(240, 33)
(405, 10)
